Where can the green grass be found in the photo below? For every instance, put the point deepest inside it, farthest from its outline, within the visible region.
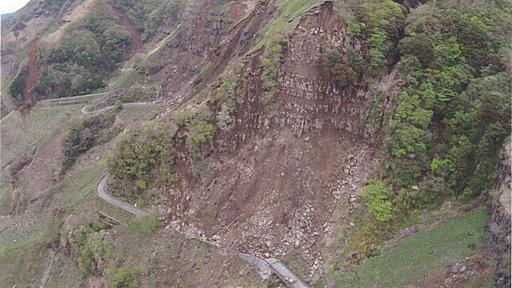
(23, 248)
(127, 78)
(21, 136)
(414, 257)
(293, 8)
(153, 57)
(24, 245)
(132, 115)
(288, 10)
(146, 224)
(6, 191)
(80, 187)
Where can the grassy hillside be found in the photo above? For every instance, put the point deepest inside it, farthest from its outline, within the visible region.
(414, 257)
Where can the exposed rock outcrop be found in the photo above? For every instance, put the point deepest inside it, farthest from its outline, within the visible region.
(286, 175)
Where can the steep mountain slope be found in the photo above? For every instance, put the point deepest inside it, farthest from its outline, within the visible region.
(340, 137)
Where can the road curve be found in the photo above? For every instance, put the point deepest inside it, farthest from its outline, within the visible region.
(113, 201)
(265, 267)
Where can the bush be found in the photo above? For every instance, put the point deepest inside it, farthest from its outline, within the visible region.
(86, 248)
(17, 85)
(83, 136)
(199, 126)
(271, 61)
(340, 68)
(124, 278)
(420, 46)
(142, 160)
(147, 224)
(380, 22)
(376, 194)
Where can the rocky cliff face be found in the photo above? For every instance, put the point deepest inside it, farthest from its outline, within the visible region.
(287, 173)
(500, 222)
(206, 42)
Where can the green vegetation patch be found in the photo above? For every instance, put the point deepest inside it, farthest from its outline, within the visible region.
(24, 246)
(17, 85)
(20, 136)
(123, 278)
(89, 246)
(150, 15)
(87, 53)
(147, 224)
(84, 135)
(340, 68)
(288, 10)
(199, 125)
(378, 23)
(414, 257)
(376, 194)
(271, 61)
(453, 113)
(142, 160)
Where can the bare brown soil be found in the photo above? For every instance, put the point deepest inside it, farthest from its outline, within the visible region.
(204, 45)
(239, 37)
(237, 10)
(288, 174)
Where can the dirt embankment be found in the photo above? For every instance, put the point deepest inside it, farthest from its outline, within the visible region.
(29, 98)
(204, 45)
(125, 22)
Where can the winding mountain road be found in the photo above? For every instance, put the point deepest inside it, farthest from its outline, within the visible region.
(86, 111)
(265, 267)
(113, 201)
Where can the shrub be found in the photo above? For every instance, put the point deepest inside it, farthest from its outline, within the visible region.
(367, 240)
(199, 126)
(442, 167)
(376, 194)
(379, 22)
(142, 160)
(420, 46)
(340, 68)
(86, 248)
(17, 85)
(83, 136)
(147, 224)
(124, 278)
(226, 96)
(271, 61)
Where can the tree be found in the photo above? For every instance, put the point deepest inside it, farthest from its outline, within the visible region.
(376, 194)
